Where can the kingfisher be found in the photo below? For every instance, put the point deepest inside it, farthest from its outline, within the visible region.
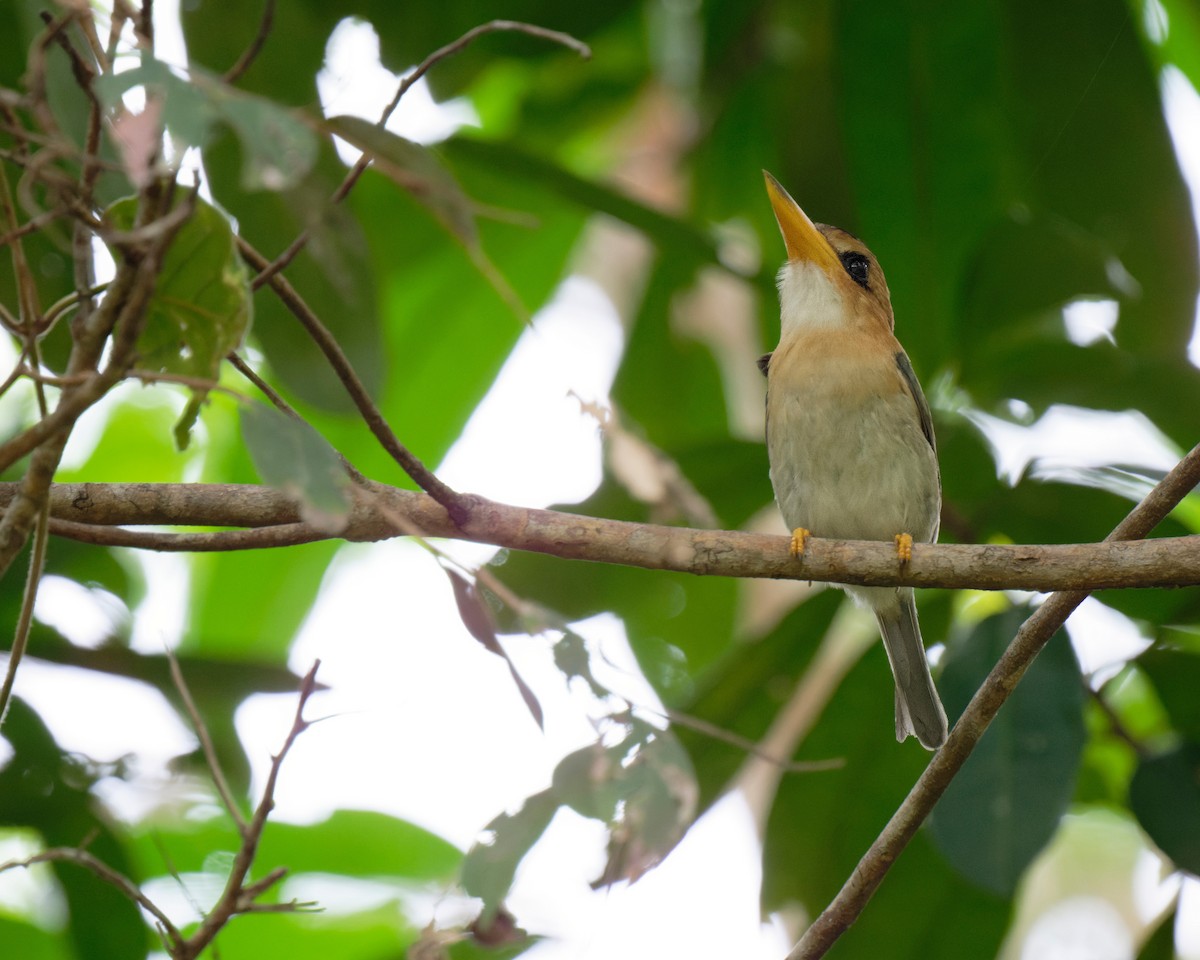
(849, 434)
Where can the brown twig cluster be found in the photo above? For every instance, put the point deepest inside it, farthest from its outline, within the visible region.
(240, 895)
(58, 184)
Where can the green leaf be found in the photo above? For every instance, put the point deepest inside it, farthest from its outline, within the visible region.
(822, 822)
(137, 443)
(44, 789)
(688, 407)
(333, 274)
(1160, 945)
(416, 169)
(573, 661)
(1165, 798)
(683, 241)
(448, 325)
(928, 160)
(1006, 802)
(1175, 673)
(352, 843)
(29, 942)
(925, 910)
(491, 864)
(200, 309)
(247, 606)
(1180, 42)
(642, 787)
(1059, 261)
(382, 931)
(292, 457)
(657, 803)
(278, 148)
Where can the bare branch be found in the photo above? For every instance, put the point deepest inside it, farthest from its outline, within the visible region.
(206, 744)
(110, 876)
(714, 732)
(234, 73)
(495, 26)
(37, 563)
(223, 541)
(845, 908)
(84, 510)
(238, 896)
(371, 414)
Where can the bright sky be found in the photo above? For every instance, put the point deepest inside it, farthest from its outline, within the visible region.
(400, 739)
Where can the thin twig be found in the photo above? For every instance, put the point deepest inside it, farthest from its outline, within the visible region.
(1034, 634)
(33, 225)
(15, 375)
(234, 73)
(360, 166)
(206, 744)
(87, 24)
(286, 408)
(110, 876)
(1120, 731)
(37, 563)
(203, 384)
(234, 899)
(247, 371)
(144, 25)
(221, 541)
(714, 732)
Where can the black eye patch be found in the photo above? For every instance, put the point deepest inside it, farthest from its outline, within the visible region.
(858, 266)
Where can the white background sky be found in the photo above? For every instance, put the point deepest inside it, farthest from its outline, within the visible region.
(400, 740)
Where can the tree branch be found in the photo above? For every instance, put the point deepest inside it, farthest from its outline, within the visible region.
(1034, 634)
(238, 896)
(85, 510)
(554, 36)
(171, 935)
(370, 413)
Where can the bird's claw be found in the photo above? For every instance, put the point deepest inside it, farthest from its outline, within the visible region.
(904, 544)
(799, 538)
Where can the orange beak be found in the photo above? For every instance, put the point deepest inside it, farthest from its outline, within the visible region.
(800, 235)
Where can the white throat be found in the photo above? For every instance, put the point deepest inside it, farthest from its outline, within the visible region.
(807, 298)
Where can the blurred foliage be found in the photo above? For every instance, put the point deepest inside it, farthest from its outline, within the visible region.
(1001, 809)
(1003, 159)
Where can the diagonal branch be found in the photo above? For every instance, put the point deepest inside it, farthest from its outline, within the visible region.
(93, 511)
(171, 936)
(367, 408)
(239, 896)
(554, 36)
(1033, 635)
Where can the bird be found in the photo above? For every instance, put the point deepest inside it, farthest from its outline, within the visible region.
(849, 434)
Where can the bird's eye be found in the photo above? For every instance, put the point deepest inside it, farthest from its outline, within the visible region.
(858, 266)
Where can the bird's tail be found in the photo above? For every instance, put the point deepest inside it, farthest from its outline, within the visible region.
(918, 709)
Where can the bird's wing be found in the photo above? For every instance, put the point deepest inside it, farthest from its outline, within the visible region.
(910, 378)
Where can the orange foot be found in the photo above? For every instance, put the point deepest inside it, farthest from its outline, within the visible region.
(904, 547)
(799, 538)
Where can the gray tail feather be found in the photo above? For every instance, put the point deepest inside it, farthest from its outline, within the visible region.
(918, 709)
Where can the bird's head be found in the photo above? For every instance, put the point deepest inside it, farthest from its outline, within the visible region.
(830, 279)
